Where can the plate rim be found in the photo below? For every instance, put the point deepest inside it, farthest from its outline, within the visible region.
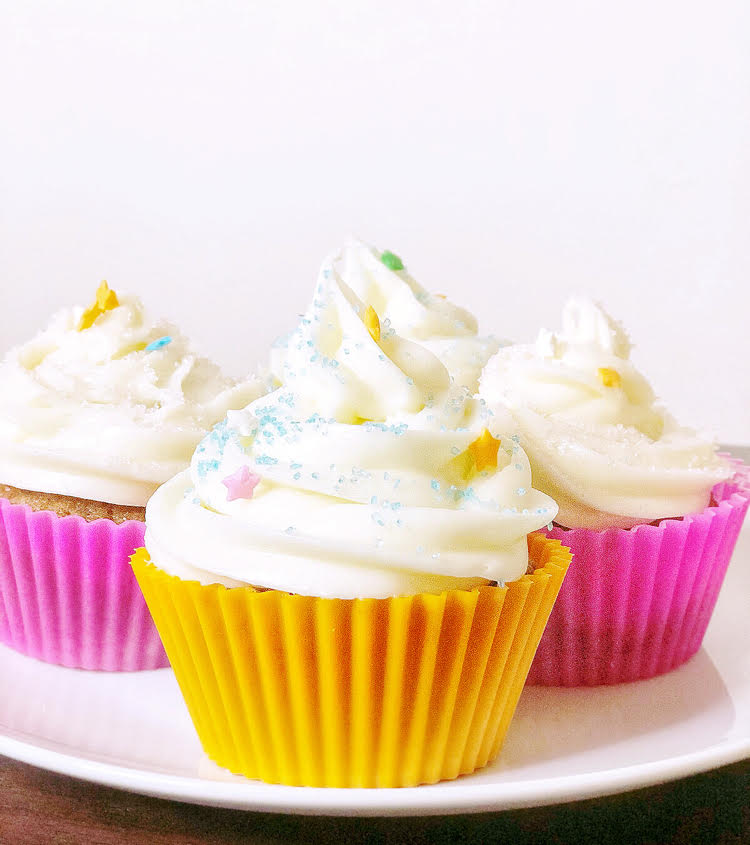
(256, 796)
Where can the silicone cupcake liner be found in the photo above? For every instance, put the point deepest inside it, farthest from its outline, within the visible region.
(636, 603)
(352, 693)
(67, 591)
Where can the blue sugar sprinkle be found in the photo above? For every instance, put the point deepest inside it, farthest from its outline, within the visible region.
(297, 476)
(159, 344)
(455, 451)
(295, 466)
(435, 484)
(519, 467)
(315, 475)
(289, 530)
(265, 459)
(204, 467)
(374, 500)
(521, 491)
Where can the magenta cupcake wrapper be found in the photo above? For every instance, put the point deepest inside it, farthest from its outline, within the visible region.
(636, 603)
(68, 594)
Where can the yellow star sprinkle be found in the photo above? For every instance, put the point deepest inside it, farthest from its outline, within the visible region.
(88, 317)
(484, 450)
(106, 300)
(373, 323)
(609, 377)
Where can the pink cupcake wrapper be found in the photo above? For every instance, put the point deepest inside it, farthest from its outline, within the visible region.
(68, 594)
(636, 603)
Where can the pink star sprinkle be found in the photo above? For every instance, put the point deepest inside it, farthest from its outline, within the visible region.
(241, 484)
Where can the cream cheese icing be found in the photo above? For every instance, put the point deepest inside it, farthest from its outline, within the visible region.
(366, 475)
(598, 440)
(380, 280)
(107, 404)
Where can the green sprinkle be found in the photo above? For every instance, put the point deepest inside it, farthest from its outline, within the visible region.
(392, 261)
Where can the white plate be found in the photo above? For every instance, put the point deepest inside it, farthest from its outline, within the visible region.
(132, 731)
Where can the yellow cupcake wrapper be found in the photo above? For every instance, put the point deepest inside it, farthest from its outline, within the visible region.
(391, 692)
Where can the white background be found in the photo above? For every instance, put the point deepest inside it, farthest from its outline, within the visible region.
(207, 156)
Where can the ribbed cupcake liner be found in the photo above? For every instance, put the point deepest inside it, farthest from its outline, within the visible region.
(68, 594)
(636, 603)
(352, 693)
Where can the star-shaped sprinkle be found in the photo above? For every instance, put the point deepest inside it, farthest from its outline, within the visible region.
(106, 300)
(159, 344)
(241, 484)
(609, 377)
(391, 260)
(484, 450)
(372, 322)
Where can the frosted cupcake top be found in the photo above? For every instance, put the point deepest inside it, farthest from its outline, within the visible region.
(380, 280)
(598, 441)
(107, 404)
(366, 475)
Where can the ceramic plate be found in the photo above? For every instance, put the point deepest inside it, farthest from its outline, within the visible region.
(132, 731)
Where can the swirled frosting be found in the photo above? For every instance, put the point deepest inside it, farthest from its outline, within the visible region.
(406, 308)
(599, 442)
(108, 404)
(366, 475)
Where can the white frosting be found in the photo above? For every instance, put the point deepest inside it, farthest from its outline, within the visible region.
(93, 414)
(598, 441)
(406, 308)
(368, 486)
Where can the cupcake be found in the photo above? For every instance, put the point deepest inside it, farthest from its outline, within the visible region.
(380, 280)
(649, 509)
(344, 581)
(97, 410)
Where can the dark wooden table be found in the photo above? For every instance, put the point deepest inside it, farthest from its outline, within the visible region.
(41, 807)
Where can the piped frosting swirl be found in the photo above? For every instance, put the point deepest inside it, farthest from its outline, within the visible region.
(107, 404)
(366, 475)
(599, 442)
